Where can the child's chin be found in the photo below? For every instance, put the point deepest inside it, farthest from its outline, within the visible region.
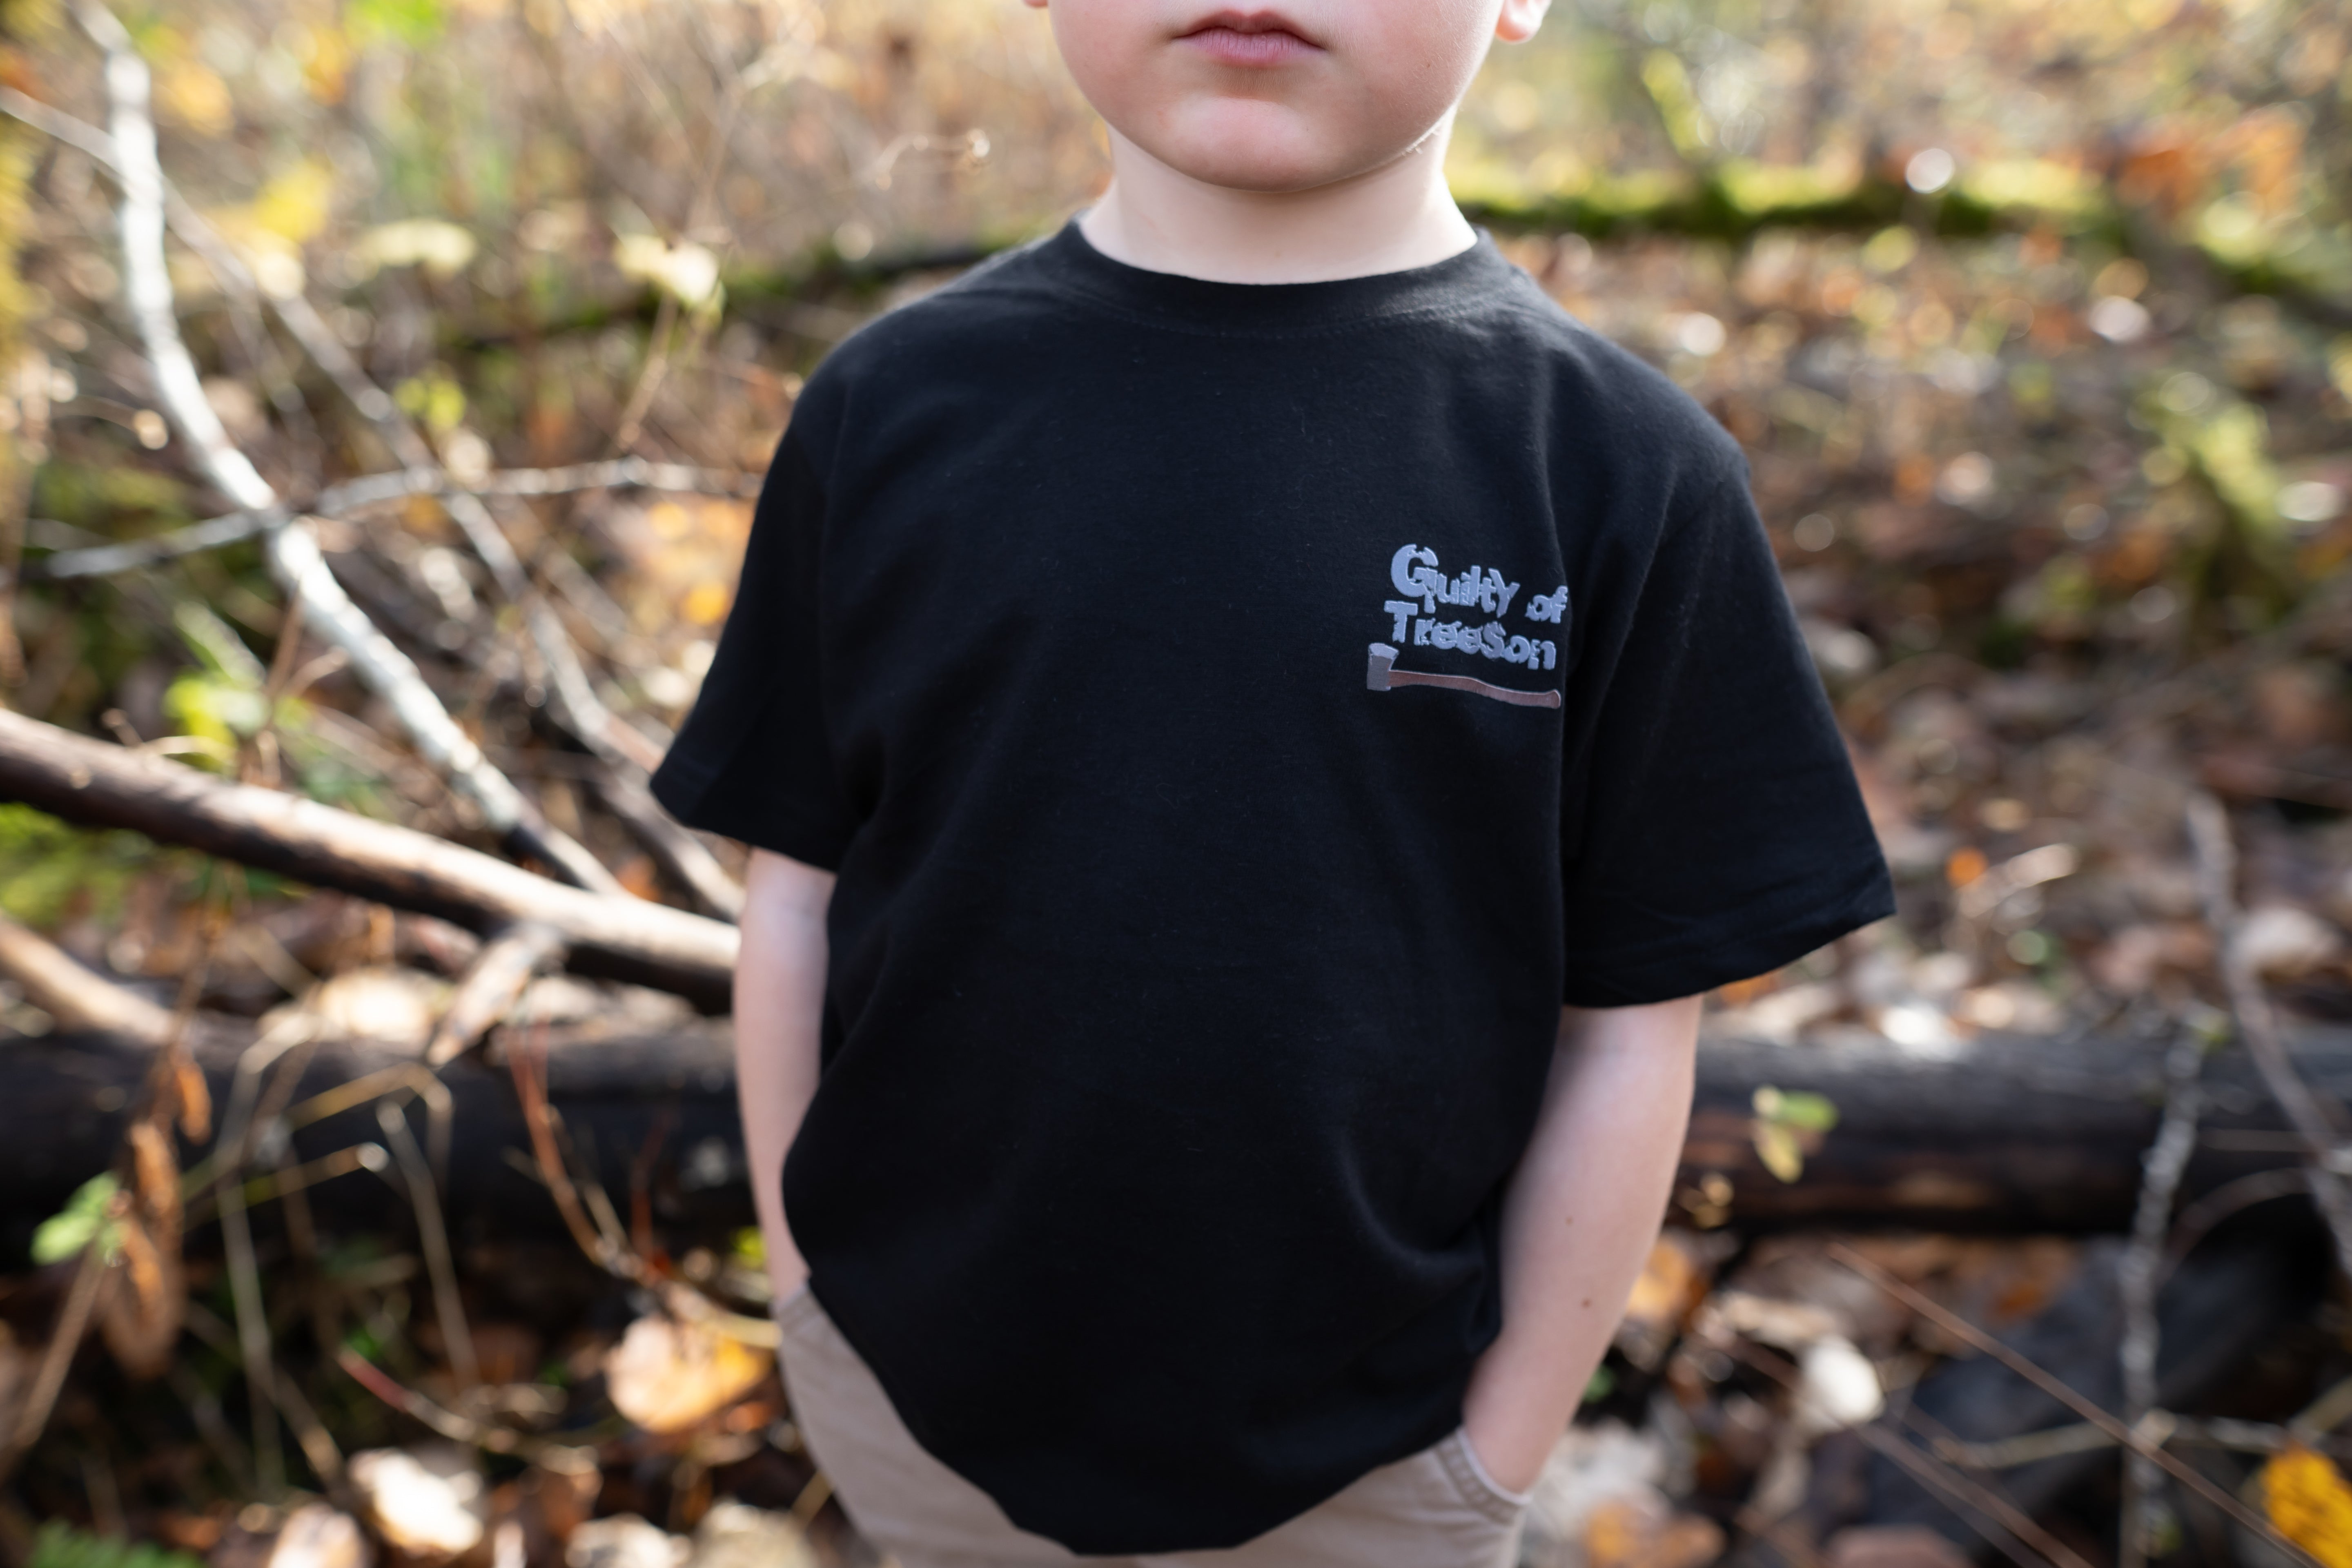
(1246, 153)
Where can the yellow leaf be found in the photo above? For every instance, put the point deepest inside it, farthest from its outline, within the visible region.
(325, 54)
(2307, 1498)
(193, 94)
(295, 202)
(1776, 1146)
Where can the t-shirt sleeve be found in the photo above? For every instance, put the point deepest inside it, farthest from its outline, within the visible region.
(1712, 830)
(754, 761)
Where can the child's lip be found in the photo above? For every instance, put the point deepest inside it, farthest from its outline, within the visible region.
(1250, 38)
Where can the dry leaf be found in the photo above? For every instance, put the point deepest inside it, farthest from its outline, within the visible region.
(1639, 1533)
(735, 1535)
(429, 1503)
(318, 1536)
(667, 1375)
(624, 1541)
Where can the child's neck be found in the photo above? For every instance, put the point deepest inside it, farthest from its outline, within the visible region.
(1396, 217)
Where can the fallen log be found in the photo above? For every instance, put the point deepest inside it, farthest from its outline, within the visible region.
(2010, 1133)
(100, 784)
(2021, 1134)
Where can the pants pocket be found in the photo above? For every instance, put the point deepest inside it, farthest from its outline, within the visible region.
(1476, 1488)
(798, 1315)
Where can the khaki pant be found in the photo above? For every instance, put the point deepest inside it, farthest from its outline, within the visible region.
(1436, 1509)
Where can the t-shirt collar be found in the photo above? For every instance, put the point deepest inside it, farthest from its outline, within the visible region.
(1197, 302)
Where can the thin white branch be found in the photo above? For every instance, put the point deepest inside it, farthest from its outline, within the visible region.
(2162, 1166)
(378, 490)
(2217, 868)
(292, 549)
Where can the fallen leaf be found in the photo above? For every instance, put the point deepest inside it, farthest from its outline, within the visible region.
(735, 1535)
(667, 1375)
(624, 1541)
(428, 1502)
(2308, 1499)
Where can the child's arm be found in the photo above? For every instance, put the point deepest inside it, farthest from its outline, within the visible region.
(1578, 1222)
(779, 1008)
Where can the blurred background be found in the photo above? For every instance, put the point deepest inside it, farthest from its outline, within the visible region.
(340, 1226)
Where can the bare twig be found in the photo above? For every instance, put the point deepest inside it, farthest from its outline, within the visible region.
(289, 1180)
(448, 1423)
(443, 1270)
(2081, 1437)
(681, 853)
(2313, 1119)
(75, 996)
(73, 1322)
(325, 1459)
(293, 551)
(440, 1108)
(1972, 1495)
(380, 489)
(237, 1245)
(649, 378)
(530, 1089)
(493, 985)
(2166, 1158)
(318, 1446)
(2198, 1220)
(601, 1237)
(2325, 1414)
(2137, 1442)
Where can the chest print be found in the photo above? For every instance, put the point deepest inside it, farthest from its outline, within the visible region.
(1415, 573)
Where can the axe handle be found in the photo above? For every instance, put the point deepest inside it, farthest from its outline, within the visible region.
(1479, 688)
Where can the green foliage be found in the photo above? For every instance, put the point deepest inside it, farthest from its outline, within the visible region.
(49, 869)
(1805, 1112)
(435, 398)
(82, 1221)
(95, 497)
(62, 1546)
(215, 708)
(1785, 1125)
(223, 699)
(414, 23)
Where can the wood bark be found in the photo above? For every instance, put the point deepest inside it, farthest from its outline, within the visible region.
(2019, 1135)
(100, 784)
(2014, 1132)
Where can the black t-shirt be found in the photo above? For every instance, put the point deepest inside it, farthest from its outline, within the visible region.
(1240, 716)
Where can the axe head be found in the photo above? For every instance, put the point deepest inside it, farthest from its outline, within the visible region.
(1376, 670)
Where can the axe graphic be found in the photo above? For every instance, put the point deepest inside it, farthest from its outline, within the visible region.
(1381, 674)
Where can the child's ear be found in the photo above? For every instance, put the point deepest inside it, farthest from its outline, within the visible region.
(1517, 25)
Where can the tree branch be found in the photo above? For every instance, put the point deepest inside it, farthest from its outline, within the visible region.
(100, 784)
(2217, 866)
(293, 551)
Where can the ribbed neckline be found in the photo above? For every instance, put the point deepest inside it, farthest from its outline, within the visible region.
(1197, 303)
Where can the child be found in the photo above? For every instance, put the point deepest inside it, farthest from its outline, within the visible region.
(1205, 690)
